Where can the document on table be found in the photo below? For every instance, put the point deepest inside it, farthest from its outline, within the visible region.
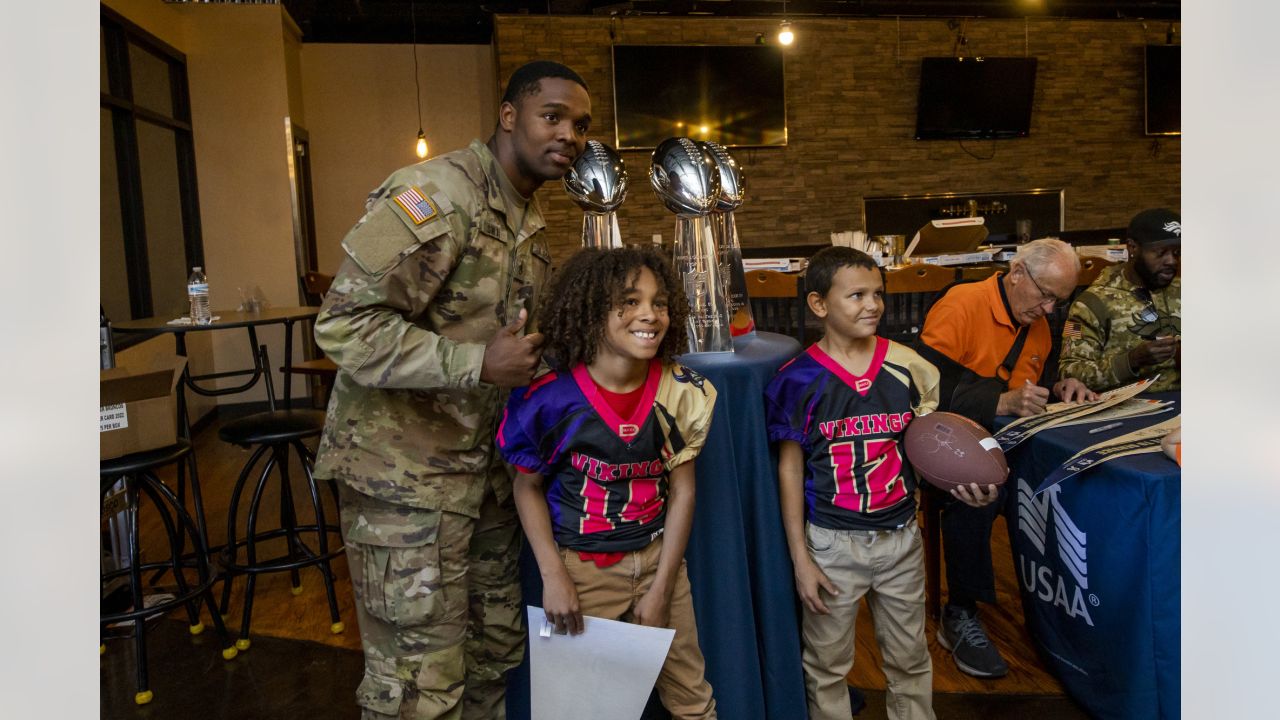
(1146, 440)
(607, 671)
(1131, 408)
(1019, 430)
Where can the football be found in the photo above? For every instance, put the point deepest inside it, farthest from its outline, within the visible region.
(949, 450)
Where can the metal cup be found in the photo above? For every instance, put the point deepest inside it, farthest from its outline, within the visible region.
(728, 250)
(597, 183)
(686, 179)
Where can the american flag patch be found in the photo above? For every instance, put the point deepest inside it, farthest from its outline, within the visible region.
(412, 201)
(1071, 330)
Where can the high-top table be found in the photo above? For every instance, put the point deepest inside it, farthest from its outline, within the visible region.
(1098, 564)
(739, 569)
(227, 319)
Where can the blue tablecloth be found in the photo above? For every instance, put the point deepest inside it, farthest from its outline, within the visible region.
(739, 569)
(1097, 559)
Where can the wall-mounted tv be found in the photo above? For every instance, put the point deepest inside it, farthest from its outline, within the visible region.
(976, 97)
(730, 94)
(1163, 90)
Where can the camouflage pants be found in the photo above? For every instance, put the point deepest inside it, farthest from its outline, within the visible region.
(438, 601)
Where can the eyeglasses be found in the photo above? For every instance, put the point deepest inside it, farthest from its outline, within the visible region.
(1046, 298)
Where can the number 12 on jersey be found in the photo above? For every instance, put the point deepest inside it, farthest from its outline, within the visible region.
(868, 475)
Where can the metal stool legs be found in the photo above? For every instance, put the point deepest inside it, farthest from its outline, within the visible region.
(178, 525)
(297, 553)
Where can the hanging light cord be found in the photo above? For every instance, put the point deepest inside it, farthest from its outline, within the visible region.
(417, 94)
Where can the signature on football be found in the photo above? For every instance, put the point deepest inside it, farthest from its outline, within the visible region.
(942, 441)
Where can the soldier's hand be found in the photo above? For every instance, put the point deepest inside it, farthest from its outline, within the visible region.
(1072, 390)
(560, 603)
(510, 359)
(1023, 401)
(1153, 352)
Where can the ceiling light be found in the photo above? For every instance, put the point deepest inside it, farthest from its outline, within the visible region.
(785, 36)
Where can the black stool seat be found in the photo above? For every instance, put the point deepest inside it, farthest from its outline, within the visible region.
(268, 428)
(145, 460)
(275, 434)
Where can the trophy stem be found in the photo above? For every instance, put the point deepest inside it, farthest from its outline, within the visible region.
(697, 262)
(729, 251)
(600, 230)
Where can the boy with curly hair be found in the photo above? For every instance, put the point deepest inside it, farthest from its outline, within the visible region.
(604, 444)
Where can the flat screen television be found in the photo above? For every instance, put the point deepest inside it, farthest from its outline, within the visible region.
(1162, 106)
(975, 98)
(730, 94)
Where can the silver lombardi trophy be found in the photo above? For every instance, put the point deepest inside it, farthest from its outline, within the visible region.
(687, 181)
(732, 192)
(597, 182)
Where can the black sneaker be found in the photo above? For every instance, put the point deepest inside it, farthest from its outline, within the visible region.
(962, 633)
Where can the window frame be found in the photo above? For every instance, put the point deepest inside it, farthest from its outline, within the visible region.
(118, 34)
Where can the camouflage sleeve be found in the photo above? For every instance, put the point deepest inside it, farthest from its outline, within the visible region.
(1084, 348)
(393, 270)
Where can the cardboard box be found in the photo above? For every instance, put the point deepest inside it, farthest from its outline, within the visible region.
(138, 407)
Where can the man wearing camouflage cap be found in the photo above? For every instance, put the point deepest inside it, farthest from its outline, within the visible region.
(426, 322)
(1128, 324)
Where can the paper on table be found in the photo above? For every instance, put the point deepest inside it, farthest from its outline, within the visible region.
(1145, 440)
(1131, 408)
(606, 672)
(1015, 432)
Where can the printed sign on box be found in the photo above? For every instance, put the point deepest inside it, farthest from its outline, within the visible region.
(137, 408)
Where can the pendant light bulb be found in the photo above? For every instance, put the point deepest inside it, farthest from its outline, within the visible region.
(422, 144)
(785, 36)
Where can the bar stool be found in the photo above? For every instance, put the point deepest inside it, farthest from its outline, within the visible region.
(274, 433)
(137, 471)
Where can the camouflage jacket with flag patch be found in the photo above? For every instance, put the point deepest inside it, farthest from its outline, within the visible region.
(431, 272)
(1108, 320)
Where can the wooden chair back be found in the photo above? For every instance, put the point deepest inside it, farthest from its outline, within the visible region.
(1090, 269)
(315, 285)
(777, 302)
(909, 293)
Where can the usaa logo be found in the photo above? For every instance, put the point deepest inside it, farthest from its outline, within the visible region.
(1034, 515)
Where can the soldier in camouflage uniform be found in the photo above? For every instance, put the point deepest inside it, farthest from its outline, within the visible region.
(425, 320)
(1128, 324)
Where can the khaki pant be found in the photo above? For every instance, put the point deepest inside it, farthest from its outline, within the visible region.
(438, 602)
(888, 568)
(612, 593)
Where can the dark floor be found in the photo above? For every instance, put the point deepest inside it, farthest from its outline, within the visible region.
(300, 679)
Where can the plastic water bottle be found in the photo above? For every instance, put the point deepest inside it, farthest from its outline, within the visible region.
(198, 295)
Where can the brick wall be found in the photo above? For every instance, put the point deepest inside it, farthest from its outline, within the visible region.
(851, 101)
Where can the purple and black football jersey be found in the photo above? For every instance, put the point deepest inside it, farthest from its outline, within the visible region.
(856, 476)
(606, 476)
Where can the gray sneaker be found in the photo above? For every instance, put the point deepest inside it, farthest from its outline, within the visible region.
(962, 633)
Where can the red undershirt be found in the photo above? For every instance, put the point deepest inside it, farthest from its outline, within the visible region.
(624, 404)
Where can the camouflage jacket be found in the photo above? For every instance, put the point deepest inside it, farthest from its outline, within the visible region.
(432, 270)
(1108, 320)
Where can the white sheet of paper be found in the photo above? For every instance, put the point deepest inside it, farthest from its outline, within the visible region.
(606, 672)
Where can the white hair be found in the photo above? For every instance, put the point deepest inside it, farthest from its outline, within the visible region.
(1039, 254)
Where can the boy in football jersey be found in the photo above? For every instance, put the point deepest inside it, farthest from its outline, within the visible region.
(839, 411)
(604, 444)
